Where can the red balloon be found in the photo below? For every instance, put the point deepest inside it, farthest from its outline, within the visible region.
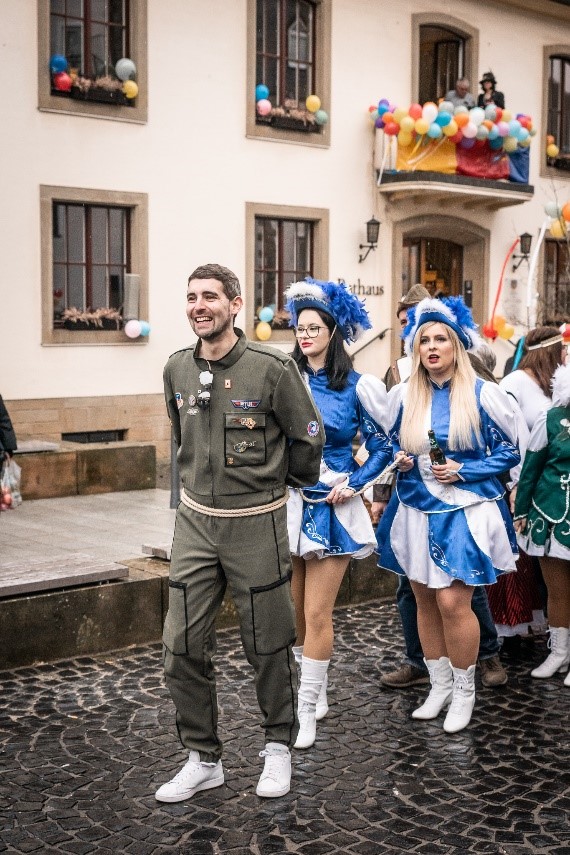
(456, 138)
(499, 115)
(415, 111)
(480, 143)
(391, 129)
(489, 331)
(62, 81)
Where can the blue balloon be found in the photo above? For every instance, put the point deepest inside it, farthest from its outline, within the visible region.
(496, 143)
(57, 63)
(261, 92)
(443, 119)
(434, 131)
(266, 314)
(145, 327)
(514, 127)
(382, 108)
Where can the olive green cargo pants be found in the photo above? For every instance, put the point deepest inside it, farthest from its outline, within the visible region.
(251, 556)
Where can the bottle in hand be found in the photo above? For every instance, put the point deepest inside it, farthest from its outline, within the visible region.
(435, 452)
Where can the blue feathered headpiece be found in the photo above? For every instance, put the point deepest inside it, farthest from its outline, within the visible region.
(348, 312)
(451, 311)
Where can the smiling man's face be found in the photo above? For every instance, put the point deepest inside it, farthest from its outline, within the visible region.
(210, 312)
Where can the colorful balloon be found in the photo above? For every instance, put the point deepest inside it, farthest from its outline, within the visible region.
(145, 328)
(391, 128)
(133, 329)
(59, 63)
(407, 124)
(434, 131)
(558, 229)
(321, 117)
(566, 212)
(507, 332)
(461, 119)
(415, 111)
(399, 114)
(263, 331)
(552, 209)
(263, 107)
(130, 89)
(470, 130)
(446, 107)
(510, 144)
(443, 119)
(266, 314)
(125, 69)
(429, 112)
(405, 138)
(451, 129)
(62, 81)
(476, 115)
(313, 103)
(262, 92)
(552, 150)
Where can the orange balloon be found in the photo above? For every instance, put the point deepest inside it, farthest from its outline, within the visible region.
(461, 119)
(549, 139)
(499, 322)
(488, 123)
(566, 212)
(387, 117)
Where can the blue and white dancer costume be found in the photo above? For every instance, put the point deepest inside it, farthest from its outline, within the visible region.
(435, 533)
(321, 529)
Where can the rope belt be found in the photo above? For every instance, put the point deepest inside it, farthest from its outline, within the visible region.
(233, 512)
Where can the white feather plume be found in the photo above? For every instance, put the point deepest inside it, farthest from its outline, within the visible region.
(561, 386)
(300, 290)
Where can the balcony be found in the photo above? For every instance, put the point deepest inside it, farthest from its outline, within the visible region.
(441, 189)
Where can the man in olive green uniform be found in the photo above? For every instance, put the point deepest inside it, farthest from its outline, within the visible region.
(246, 427)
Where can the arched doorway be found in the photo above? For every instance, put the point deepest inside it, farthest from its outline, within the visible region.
(436, 263)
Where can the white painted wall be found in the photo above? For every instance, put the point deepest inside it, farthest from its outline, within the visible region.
(198, 168)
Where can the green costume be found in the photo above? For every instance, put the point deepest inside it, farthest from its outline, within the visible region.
(258, 432)
(543, 494)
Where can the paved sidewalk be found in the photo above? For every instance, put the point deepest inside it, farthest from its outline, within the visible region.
(85, 743)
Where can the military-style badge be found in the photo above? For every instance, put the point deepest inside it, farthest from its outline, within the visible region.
(249, 423)
(313, 428)
(179, 400)
(246, 405)
(192, 411)
(227, 383)
(242, 446)
(192, 401)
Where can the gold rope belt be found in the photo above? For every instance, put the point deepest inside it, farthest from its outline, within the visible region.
(233, 512)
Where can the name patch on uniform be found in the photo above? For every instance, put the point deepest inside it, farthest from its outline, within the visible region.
(192, 401)
(313, 428)
(179, 400)
(246, 405)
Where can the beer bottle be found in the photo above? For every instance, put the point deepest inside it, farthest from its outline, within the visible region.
(435, 452)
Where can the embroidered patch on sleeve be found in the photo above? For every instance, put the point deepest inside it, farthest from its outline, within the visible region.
(313, 428)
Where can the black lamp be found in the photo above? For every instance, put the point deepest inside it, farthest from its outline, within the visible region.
(525, 243)
(372, 231)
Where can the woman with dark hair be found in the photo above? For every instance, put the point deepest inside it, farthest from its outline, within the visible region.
(516, 602)
(490, 95)
(328, 523)
(542, 516)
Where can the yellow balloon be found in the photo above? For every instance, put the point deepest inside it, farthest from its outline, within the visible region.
(399, 114)
(507, 116)
(557, 229)
(407, 124)
(451, 129)
(525, 143)
(130, 89)
(263, 331)
(552, 150)
(313, 103)
(507, 331)
(404, 139)
(510, 143)
(421, 126)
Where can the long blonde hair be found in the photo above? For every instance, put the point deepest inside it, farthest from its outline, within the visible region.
(464, 421)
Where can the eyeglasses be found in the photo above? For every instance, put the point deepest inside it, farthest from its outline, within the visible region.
(311, 331)
(205, 378)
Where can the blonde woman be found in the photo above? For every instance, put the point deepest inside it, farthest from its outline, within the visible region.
(447, 526)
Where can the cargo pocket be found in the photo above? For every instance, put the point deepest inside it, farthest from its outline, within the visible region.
(273, 617)
(175, 632)
(244, 437)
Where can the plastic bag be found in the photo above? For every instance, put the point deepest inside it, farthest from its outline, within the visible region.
(10, 480)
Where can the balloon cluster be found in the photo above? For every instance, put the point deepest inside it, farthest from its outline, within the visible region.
(498, 326)
(263, 329)
(552, 149)
(264, 106)
(462, 126)
(125, 69)
(559, 225)
(134, 328)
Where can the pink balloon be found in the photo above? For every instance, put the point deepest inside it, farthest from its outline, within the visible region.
(133, 329)
(503, 129)
(263, 107)
(470, 130)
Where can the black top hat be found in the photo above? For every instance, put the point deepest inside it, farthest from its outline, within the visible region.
(488, 76)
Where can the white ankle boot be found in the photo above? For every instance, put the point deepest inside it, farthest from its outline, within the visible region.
(567, 680)
(322, 701)
(462, 701)
(313, 673)
(441, 680)
(559, 657)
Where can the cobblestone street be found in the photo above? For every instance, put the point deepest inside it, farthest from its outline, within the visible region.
(86, 742)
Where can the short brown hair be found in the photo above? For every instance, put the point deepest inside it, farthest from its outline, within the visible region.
(227, 279)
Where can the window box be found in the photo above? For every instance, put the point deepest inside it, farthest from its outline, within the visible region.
(99, 319)
(103, 96)
(289, 123)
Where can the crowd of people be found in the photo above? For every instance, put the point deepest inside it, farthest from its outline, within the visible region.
(272, 507)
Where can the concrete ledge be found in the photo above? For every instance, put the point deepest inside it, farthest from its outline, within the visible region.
(98, 618)
(86, 469)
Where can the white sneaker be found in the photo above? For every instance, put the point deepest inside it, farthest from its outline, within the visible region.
(275, 779)
(193, 777)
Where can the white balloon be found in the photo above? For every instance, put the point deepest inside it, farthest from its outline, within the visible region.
(446, 107)
(469, 130)
(429, 112)
(125, 68)
(477, 114)
(133, 329)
